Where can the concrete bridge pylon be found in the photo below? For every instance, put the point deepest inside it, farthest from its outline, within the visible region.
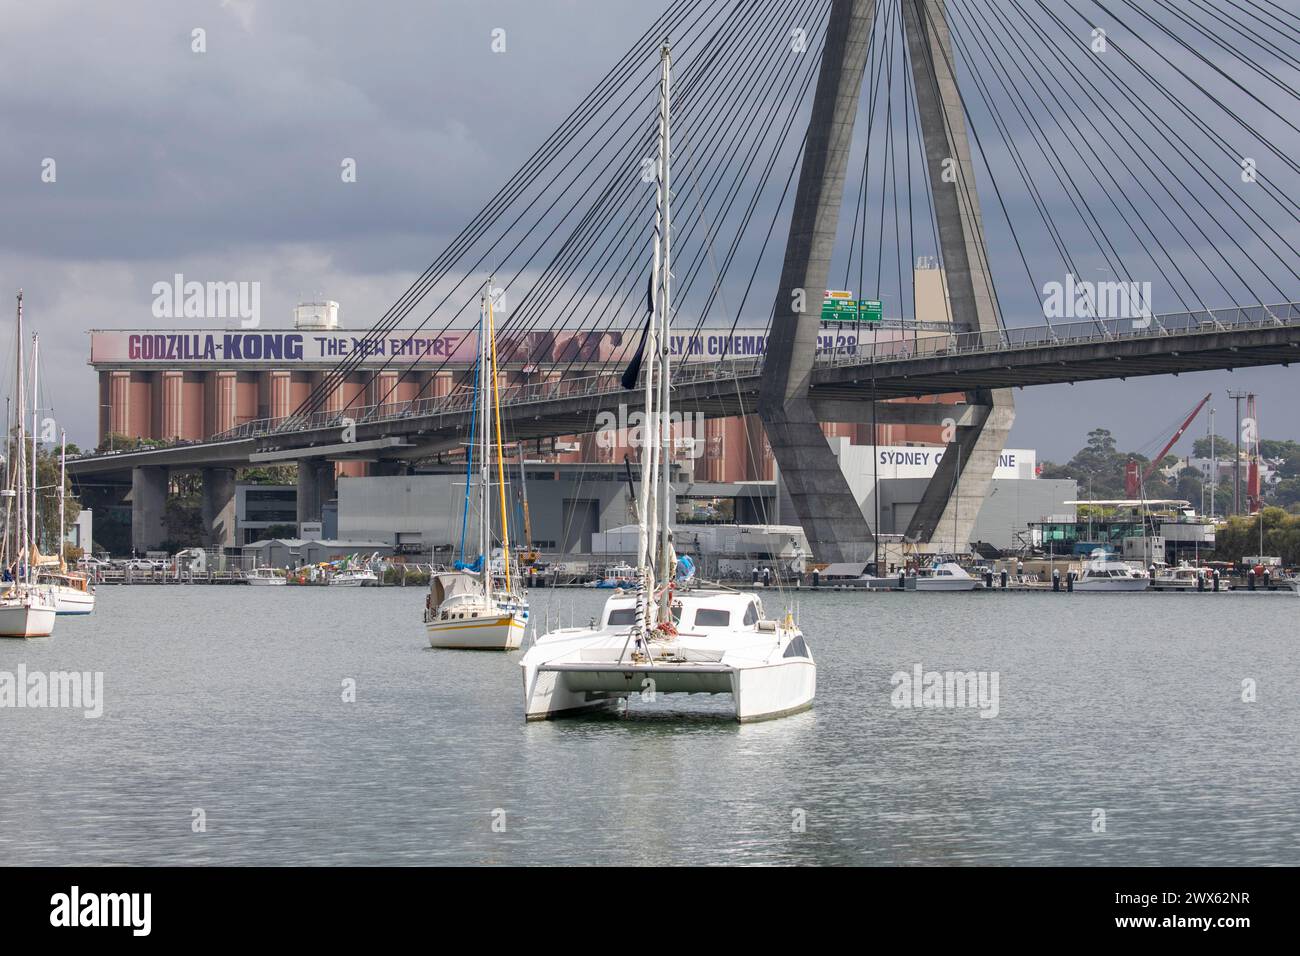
(832, 520)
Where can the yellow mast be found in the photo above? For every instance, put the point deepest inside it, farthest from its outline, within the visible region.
(501, 467)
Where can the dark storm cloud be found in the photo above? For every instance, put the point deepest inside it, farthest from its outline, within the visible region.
(226, 165)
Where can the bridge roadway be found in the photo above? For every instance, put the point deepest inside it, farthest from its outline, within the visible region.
(841, 387)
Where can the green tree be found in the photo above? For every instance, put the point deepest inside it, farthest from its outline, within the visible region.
(1222, 447)
(47, 495)
(270, 475)
(1240, 536)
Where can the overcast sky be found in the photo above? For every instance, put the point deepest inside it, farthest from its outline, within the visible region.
(226, 164)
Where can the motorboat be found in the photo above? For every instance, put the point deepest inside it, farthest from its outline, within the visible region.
(946, 576)
(481, 604)
(662, 635)
(618, 576)
(354, 578)
(1185, 577)
(1106, 572)
(265, 577)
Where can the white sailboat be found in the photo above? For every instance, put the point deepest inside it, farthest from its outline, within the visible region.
(661, 638)
(73, 591)
(474, 607)
(27, 609)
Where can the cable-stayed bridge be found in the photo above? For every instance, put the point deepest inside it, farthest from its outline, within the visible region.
(837, 143)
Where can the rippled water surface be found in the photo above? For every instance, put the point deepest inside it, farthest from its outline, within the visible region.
(229, 700)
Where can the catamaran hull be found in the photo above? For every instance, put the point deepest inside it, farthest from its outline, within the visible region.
(483, 634)
(760, 692)
(69, 601)
(26, 620)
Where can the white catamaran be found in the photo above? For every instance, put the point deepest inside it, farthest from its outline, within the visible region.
(27, 609)
(474, 607)
(662, 638)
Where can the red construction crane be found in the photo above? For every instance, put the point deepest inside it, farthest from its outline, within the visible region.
(1135, 480)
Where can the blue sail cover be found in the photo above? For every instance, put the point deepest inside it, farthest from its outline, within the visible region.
(475, 566)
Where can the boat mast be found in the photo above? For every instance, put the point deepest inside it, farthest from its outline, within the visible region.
(36, 428)
(647, 506)
(666, 313)
(63, 483)
(484, 499)
(501, 455)
(21, 552)
(523, 492)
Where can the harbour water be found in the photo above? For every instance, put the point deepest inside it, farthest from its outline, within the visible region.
(231, 702)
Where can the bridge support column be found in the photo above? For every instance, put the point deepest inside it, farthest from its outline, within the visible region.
(315, 487)
(148, 507)
(955, 494)
(830, 515)
(219, 508)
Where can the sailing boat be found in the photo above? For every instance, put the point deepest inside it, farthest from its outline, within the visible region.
(663, 637)
(474, 607)
(26, 608)
(73, 592)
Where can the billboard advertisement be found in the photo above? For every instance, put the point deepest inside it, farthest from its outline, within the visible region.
(289, 348)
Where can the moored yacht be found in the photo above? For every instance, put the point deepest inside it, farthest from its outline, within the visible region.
(265, 577)
(73, 593)
(27, 608)
(662, 637)
(1105, 572)
(946, 576)
(716, 642)
(481, 605)
(354, 578)
(459, 614)
(1185, 577)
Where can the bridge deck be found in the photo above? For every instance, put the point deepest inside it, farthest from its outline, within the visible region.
(1018, 357)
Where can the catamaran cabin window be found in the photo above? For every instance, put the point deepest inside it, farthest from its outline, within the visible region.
(712, 617)
(622, 616)
(751, 615)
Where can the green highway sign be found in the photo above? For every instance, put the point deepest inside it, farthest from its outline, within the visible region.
(839, 310)
(839, 306)
(869, 310)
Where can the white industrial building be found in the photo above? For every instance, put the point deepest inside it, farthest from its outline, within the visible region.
(586, 509)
